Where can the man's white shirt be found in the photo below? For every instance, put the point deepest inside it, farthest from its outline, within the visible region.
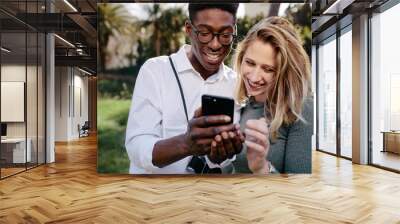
(157, 110)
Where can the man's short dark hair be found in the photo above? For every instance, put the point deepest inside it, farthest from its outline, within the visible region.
(196, 7)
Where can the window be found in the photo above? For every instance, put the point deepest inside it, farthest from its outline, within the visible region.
(346, 92)
(327, 95)
(385, 89)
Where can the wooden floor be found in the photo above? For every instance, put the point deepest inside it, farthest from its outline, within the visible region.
(70, 191)
(387, 159)
(10, 171)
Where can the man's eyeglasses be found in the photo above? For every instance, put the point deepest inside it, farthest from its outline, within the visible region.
(205, 36)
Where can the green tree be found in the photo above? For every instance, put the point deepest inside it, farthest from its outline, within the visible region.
(165, 27)
(153, 25)
(112, 20)
(172, 27)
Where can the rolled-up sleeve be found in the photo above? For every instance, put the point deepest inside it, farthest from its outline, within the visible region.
(144, 122)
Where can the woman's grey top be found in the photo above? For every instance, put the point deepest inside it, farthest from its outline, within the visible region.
(290, 152)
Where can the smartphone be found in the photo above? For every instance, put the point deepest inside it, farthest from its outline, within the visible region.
(217, 105)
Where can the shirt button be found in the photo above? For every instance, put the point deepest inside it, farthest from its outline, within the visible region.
(205, 88)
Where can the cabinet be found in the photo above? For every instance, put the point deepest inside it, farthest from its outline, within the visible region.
(13, 150)
(391, 141)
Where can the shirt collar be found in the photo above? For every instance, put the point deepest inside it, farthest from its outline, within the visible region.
(182, 63)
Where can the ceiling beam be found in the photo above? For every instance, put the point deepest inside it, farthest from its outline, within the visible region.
(81, 61)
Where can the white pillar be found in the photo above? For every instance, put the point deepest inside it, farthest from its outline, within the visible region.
(360, 90)
(50, 82)
(50, 93)
(314, 93)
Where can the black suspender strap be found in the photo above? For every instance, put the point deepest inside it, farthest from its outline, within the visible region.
(180, 88)
(197, 163)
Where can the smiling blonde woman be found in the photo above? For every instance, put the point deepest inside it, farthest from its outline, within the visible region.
(274, 88)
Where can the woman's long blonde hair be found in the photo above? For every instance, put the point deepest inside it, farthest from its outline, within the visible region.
(291, 82)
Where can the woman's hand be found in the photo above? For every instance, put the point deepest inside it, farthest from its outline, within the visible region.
(257, 142)
(226, 145)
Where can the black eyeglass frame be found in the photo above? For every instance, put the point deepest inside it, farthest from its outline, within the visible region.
(197, 32)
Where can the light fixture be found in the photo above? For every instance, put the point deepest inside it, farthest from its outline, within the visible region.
(5, 49)
(64, 40)
(84, 71)
(337, 7)
(70, 5)
(80, 51)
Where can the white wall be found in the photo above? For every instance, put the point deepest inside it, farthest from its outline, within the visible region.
(14, 73)
(11, 73)
(71, 93)
(61, 103)
(17, 73)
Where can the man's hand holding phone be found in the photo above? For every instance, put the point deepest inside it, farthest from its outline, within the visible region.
(202, 130)
(214, 119)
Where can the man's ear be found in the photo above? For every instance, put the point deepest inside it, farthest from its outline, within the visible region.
(188, 28)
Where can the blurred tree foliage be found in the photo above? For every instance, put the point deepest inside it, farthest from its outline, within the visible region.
(300, 15)
(164, 30)
(112, 20)
(243, 25)
(117, 89)
(163, 33)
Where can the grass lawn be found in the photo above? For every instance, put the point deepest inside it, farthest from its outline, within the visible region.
(112, 115)
(107, 109)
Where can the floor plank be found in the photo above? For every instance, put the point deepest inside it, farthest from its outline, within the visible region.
(70, 191)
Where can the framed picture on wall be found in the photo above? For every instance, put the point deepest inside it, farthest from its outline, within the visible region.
(12, 101)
